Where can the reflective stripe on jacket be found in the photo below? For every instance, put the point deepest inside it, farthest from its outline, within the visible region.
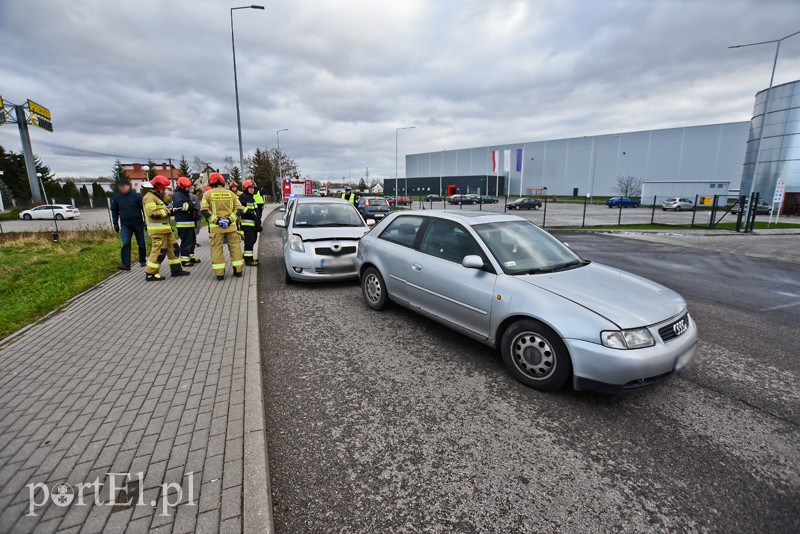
(156, 214)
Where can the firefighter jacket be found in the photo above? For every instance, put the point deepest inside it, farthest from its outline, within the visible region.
(251, 212)
(184, 217)
(219, 204)
(156, 214)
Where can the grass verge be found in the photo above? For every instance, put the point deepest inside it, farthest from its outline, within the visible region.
(38, 275)
(10, 215)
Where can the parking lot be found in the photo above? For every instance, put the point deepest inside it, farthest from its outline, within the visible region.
(389, 422)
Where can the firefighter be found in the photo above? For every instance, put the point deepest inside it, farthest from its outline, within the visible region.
(234, 187)
(259, 199)
(222, 209)
(251, 220)
(185, 220)
(163, 242)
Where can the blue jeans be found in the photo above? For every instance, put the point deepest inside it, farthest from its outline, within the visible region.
(126, 232)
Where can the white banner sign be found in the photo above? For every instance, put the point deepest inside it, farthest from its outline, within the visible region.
(780, 189)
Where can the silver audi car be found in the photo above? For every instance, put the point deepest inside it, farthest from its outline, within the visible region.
(553, 315)
(321, 238)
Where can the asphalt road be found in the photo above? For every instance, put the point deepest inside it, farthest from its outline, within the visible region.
(90, 218)
(389, 422)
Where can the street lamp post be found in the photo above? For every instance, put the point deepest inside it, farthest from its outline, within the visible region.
(236, 85)
(396, 175)
(280, 163)
(777, 42)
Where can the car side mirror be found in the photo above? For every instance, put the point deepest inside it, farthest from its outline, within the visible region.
(280, 223)
(370, 222)
(282, 210)
(472, 261)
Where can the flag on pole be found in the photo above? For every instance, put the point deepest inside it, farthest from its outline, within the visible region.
(506, 161)
(494, 160)
(519, 160)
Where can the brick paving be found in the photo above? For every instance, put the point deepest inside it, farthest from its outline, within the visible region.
(161, 379)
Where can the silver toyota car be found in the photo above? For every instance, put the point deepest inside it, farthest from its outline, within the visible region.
(321, 238)
(553, 315)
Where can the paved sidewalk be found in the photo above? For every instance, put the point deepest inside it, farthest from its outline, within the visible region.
(83, 394)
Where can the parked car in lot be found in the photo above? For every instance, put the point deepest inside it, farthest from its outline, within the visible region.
(373, 208)
(459, 199)
(505, 282)
(622, 202)
(762, 208)
(525, 204)
(433, 198)
(49, 211)
(488, 199)
(321, 238)
(677, 204)
(400, 201)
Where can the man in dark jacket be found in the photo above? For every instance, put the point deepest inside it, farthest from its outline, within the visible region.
(126, 214)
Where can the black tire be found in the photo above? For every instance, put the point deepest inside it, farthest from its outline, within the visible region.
(27, 217)
(288, 279)
(677, 208)
(59, 217)
(516, 207)
(373, 289)
(663, 209)
(610, 206)
(535, 355)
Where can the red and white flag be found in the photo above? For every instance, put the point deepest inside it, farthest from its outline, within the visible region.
(494, 160)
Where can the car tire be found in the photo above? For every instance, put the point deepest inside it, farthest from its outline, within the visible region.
(517, 208)
(287, 278)
(373, 289)
(677, 208)
(27, 216)
(535, 355)
(59, 217)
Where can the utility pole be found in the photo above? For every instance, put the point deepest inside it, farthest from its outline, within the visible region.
(27, 151)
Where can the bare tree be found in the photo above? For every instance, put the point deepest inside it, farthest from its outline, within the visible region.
(198, 165)
(628, 185)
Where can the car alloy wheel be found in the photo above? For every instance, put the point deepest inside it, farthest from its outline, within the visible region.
(27, 217)
(59, 217)
(677, 208)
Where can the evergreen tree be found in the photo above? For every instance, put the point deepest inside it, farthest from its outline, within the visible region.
(98, 192)
(362, 185)
(185, 169)
(236, 176)
(119, 174)
(152, 172)
(83, 194)
(70, 190)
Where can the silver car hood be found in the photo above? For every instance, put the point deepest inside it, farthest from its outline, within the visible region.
(334, 232)
(625, 299)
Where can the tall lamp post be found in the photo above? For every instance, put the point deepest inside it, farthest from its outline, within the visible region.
(396, 176)
(236, 85)
(766, 109)
(280, 163)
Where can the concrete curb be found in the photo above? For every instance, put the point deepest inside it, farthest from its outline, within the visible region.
(257, 507)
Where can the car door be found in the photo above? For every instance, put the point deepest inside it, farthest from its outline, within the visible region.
(397, 242)
(439, 285)
(41, 212)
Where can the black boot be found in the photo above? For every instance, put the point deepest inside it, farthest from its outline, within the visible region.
(195, 260)
(180, 273)
(220, 277)
(154, 277)
(123, 267)
(237, 274)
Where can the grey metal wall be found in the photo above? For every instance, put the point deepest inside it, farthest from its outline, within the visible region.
(592, 164)
(780, 147)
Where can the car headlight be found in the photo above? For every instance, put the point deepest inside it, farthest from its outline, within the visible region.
(627, 339)
(296, 243)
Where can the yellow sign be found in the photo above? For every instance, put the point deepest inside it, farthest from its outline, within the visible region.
(705, 201)
(42, 123)
(2, 112)
(39, 110)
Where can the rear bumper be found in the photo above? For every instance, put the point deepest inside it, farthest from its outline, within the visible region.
(600, 368)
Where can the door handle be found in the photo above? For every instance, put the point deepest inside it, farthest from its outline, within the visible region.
(416, 266)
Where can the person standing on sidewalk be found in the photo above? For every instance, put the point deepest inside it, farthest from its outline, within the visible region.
(251, 220)
(126, 215)
(185, 221)
(234, 187)
(163, 242)
(221, 207)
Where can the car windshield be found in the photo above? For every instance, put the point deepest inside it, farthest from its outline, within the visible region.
(317, 215)
(377, 202)
(521, 247)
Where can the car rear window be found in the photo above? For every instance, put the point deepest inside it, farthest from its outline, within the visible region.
(403, 230)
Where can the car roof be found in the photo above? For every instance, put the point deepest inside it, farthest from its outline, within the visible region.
(321, 200)
(466, 217)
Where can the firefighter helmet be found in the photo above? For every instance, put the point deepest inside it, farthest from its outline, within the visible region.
(233, 184)
(248, 183)
(216, 179)
(160, 183)
(184, 182)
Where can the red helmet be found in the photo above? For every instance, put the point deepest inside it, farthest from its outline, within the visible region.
(184, 182)
(248, 183)
(206, 188)
(216, 179)
(160, 183)
(233, 184)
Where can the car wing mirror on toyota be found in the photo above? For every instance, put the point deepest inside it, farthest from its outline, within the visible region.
(280, 223)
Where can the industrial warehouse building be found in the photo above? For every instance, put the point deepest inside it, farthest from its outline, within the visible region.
(583, 165)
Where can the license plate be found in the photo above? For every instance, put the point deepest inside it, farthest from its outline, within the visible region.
(336, 262)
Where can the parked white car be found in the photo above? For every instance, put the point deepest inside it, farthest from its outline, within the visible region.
(677, 204)
(49, 211)
(320, 239)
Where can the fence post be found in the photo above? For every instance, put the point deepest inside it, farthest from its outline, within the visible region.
(583, 221)
(740, 214)
(110, 218)
(544, 215)
(505, 205)
(754, 198)
(694, 209)
(653, 210)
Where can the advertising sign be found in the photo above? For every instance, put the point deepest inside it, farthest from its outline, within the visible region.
(780, 189)
(309, 187)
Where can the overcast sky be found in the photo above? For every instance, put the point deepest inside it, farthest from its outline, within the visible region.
(154, 78)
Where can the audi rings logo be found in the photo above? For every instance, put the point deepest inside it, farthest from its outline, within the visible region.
(680, 327)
